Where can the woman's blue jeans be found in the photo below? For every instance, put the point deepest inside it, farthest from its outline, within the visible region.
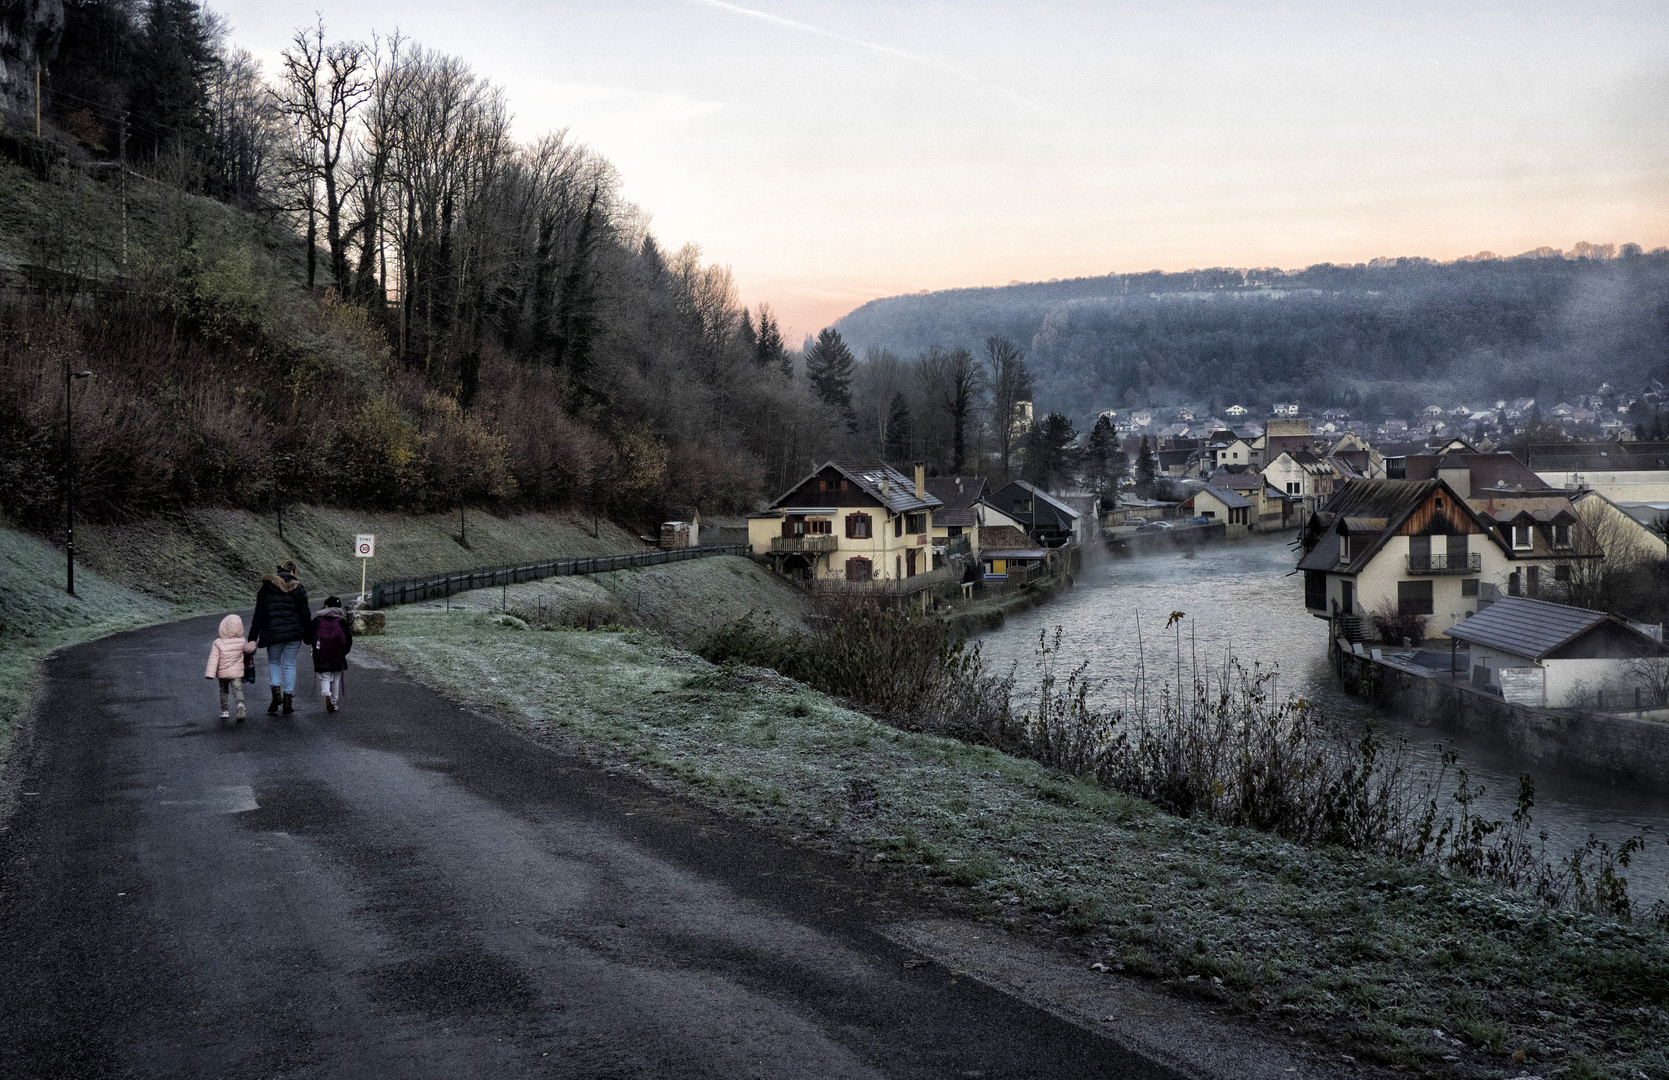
(281, 665)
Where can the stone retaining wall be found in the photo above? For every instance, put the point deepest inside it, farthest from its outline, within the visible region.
(1612, 749)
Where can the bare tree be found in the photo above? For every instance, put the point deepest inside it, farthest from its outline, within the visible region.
(246, 131)
(1010, 383)
(320, 88)
(1605, 543)
(879, 379)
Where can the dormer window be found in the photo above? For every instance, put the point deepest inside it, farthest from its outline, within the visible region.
(1344, 548)
(1521, 538)
(1561, 536)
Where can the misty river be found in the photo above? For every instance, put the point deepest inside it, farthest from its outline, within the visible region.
(1238, 596)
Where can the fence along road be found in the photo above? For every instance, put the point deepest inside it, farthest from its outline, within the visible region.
(416, 590)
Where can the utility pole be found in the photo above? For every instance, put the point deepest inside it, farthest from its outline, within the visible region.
(121, 145)
(38, 115)
(69, 479)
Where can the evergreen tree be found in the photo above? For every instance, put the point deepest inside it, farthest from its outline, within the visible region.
(1105, 462)
(1118, 467)
(746, 334)
(1051, 456)
(899, 429)
(829, 368)
(171, 92)
(769, 351)
(1147, 470)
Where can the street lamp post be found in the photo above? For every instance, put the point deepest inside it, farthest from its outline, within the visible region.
(69, 479)
(278, 491)
(463, 488)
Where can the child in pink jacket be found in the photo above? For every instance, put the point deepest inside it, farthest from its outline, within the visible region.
(226, 661)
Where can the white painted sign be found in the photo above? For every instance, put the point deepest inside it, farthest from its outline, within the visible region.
(365, 545)
(1522, 685)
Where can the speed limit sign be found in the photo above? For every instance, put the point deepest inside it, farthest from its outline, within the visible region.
(365, 545)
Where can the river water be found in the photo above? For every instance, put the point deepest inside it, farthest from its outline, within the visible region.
(1243, 597)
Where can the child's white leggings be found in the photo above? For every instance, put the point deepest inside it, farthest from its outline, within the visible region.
(330, 685)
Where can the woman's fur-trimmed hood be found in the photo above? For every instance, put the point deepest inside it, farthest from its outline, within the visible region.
(279, 581)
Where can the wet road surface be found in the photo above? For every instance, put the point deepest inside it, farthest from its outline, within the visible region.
(407, 889)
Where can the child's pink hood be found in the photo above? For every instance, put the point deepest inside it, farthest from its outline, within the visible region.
(231, 627)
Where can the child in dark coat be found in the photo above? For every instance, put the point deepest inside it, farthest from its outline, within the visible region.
(331, 635)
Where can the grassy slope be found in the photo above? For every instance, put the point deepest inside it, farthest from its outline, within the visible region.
(39, 616)
(223, 553)
(681, 600)
(169, 568)
(1374, 957)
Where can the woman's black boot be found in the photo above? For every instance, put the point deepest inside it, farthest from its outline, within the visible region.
(289, 704)
(277, 700)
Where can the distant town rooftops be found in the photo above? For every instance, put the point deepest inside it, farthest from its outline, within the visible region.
(1499, 470)
(1598, 456)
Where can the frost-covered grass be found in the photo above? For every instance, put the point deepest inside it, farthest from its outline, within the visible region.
(38, 616)
(683, 600)
(1389, 962)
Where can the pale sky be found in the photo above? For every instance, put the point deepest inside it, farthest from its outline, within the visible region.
(831, 153)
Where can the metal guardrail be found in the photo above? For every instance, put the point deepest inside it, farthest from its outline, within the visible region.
(416, 590)
(1445, 564)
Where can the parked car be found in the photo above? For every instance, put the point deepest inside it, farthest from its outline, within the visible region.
(1137, 521)
(1155, 526)
(1200, 520)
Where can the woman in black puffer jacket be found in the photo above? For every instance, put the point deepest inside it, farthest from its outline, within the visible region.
(282, 620)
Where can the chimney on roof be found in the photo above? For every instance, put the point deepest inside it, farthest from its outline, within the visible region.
(921, 479)
(1453, 470)
(883, 483)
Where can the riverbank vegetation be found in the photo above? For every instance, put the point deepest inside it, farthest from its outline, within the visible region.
(1399, 962)
(1215, 743)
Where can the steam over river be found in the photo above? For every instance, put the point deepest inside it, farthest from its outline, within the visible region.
(1239, 596)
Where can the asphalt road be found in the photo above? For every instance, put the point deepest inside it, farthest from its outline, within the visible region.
(407, 889)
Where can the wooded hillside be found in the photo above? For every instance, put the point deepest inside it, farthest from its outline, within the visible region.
(343, 281)
(1390, 337)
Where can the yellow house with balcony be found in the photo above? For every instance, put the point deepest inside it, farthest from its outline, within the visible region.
(849, 521)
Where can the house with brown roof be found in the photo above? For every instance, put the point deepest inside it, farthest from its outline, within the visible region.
(1007, 553)
(957, 521)
(1419, 547)
(849, 521)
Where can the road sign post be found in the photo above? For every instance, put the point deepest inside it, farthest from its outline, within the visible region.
(365, 546)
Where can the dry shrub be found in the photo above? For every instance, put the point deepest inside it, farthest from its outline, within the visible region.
(551, 455)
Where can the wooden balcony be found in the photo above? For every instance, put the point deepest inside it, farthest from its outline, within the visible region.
(804, 545)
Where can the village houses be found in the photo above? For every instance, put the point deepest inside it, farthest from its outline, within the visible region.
(1421, 548)
(849, 522)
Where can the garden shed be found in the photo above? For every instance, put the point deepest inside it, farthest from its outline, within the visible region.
(1554, 656)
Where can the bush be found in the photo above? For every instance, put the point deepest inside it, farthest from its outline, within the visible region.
(1392, 623)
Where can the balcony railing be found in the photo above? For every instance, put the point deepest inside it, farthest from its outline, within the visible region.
(804, 545)
(1445, 564)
